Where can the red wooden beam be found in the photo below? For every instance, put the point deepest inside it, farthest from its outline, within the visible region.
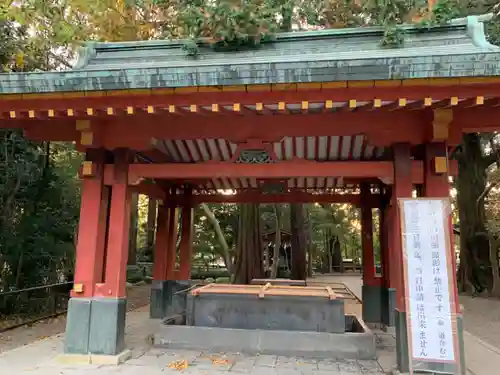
(348, 169)
(228, 98)
(292, 197)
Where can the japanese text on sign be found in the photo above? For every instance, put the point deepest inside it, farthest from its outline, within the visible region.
(427, 279)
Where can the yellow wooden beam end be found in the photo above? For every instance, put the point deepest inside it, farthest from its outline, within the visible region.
(171, 108)
(480, 100)
(259, 106)
(215, 107)
(87, 138)
(78, 288)
(110, 111)
(70, 112)
(454, 100)
(353, 103)
(50, 113)
(309, 86)
(329, 104)
(427, 102)
(253, 88)
(87, 169)
(130, 110)
(31, 113)
(12, 114)
(334, 85)
(402, 102)
(90, 111)
(377, 103)
(440, 165)
(304, 105)
(281, 106)
(236, 107)
(193, 108)
(82, 125)
(151, 109)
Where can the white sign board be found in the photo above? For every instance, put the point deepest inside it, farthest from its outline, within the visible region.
(426, 244)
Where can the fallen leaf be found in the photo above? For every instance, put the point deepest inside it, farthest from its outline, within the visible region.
(178, 365)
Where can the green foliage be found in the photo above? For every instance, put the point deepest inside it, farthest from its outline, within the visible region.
(228, 24)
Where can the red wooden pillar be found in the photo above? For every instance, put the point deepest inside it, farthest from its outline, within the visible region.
(91, 229)
(186, 243)
(367, 236)
(172, 243)
(403, 188)
(161, 244)
(436, 185)
(118, 231)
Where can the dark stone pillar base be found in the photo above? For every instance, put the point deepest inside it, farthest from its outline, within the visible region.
(388, 306)
(372, 303)
(168, 298)
(95, 326)
(401, 341)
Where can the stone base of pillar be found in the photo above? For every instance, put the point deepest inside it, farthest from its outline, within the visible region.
(401, 341)
(168, 298)
(388, 307)
(95, 326)
(372, 297)
(427, 367)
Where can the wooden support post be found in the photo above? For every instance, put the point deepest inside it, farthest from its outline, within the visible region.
(403, 188)
(91, 229)
(118, 233)
(367, 236)
(161, 244)
(186, 244)
(172, 243)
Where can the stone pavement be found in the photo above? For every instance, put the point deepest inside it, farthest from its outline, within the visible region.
(40, 358)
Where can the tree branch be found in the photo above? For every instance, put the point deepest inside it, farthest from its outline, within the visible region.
(485, 193)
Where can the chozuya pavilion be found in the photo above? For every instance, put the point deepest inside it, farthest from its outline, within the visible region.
(307, 115)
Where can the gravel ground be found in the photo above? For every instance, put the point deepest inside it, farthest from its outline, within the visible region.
(482, 318)
(137, 296)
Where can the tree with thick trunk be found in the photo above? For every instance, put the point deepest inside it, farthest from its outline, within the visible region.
(474, 274)
(299, 245)
(248, 263)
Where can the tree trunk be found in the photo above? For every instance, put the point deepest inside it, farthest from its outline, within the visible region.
(297, 224)
(277, 243)
(132, 242)
(308, 229)
(248, 264)
(151, 223)
(495, 289)
(220, 236)
(474, 274)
